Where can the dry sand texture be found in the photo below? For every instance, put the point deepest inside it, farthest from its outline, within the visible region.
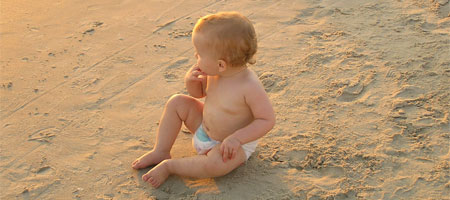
(360, 88)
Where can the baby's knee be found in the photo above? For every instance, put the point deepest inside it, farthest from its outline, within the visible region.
(177, 99)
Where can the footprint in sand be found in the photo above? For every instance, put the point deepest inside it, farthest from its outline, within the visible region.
(295, 158)
(332, 172)
(304, 16)
(409, 92)
(350, 92)
(180, 33)
(315, 60)
(8, 85)
(176, 69)
(44, 135)
(412, 113)
(444, 9)
(124, 59)
(272, 82)
(45, 170)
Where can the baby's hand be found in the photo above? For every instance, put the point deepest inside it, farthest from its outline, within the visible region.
(195, 74)
(229, 148)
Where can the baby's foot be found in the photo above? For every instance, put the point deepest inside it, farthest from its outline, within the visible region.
(157, 175)
(150, 158)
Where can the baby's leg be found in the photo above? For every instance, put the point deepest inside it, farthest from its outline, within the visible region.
(179, 108)
(200, 166)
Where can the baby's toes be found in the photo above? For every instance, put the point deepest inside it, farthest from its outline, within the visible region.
(136, 164)
(154, 182)
(145, 177)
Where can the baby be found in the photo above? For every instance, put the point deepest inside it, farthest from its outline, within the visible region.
(236, 111)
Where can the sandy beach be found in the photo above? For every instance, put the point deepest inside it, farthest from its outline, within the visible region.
(361, 91)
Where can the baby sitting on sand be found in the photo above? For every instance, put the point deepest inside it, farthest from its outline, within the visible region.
(236, 111)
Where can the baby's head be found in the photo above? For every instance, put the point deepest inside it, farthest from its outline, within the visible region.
(230, 37)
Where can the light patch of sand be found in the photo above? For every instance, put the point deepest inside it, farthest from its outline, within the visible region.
(360, 89)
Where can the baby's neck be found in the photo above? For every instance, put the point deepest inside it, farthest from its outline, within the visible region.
(233, 71)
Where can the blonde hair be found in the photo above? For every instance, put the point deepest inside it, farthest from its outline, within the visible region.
(231, 34)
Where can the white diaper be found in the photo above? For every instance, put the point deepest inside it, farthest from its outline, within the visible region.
(203, 143)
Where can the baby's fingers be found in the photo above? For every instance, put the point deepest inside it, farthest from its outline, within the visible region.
(221, 149)
(196, 73)
(230, 153)
(233, 155)
(195, 77)
(225, 154)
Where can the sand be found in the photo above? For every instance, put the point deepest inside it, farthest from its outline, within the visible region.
(360, 89)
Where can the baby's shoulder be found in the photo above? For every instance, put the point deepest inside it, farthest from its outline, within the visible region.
(251, 81)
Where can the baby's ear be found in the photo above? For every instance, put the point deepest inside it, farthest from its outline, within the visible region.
(222, 65)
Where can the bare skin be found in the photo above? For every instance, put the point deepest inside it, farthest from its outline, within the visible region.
(200, 166)
(149, 159)
(179, 108)
(236, 111)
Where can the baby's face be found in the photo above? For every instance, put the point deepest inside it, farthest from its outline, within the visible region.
(206, 60)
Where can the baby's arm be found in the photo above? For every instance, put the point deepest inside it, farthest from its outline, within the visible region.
(264, 116)
(195, 82)
(264, 120)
